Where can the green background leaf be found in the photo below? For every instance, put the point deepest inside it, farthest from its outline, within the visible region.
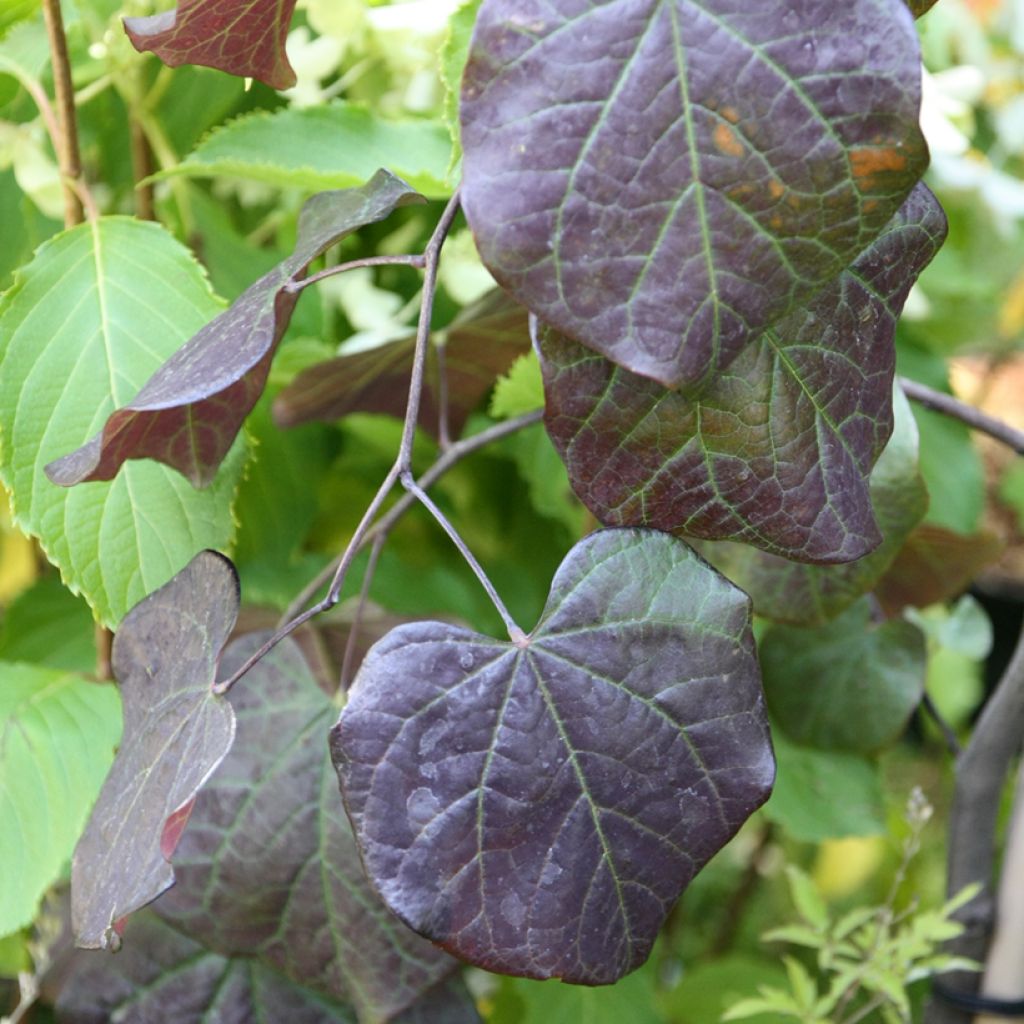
(336, 146)
(82, 329)
(57, 738)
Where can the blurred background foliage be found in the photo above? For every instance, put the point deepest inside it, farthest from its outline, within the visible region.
(837, 816)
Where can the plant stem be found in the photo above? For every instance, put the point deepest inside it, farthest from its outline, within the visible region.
(403, 460)
(104, 640)
(981, 773)
(68, 156)
(458, 451)
(969, 414)
(367, 261)
(516, 635)
(347, 662)
(948, 735)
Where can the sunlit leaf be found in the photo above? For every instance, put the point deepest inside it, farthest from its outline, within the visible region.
(848, 685)
(176, 732)
(775, 452)
(537, 808)
(480, 345)
(190, 411)
(663, 180)
(82, 328)
(337, 145)
(243, 37)
(268, 865)
(812, 594)
(57, 737)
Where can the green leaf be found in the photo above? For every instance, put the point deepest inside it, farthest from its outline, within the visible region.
(520, 390)
(848, 685)
(336, 146)
(823, 795)
(707, 990)
(454, 51)
(806, 897)
(83, 327)
(57, 738)
(14, 956)
(47, 625)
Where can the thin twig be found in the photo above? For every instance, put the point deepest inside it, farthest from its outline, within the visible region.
(142, 169)
(516, 635)
(351, 641)
(403, 460)
(981, 773)
(104, 641)
(68, 156)
(458, 451)
(418, 261)
(969, 414)
(948, 734)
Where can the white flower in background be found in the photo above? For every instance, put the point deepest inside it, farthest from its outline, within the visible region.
(314, 59)
(378, 315)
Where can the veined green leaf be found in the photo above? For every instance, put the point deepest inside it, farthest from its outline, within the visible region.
(83, 327)
(57, 738)
(336, 146)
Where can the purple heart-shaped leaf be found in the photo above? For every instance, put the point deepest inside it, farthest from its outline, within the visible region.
(776, 451)
(661, 180)
(537, 808)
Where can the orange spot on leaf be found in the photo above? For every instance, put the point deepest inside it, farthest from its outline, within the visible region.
(870, 164)
(731, 114)
(727, 141)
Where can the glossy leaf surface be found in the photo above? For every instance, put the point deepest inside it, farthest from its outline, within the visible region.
(848, 685)
(538, 808)
(479, 346)
(812, 594)
(190, 411)
(338, 145)
(58, 732)
(662, 180)
(776, 452)
(268, 866)
(242, 37)
(176, 732)
(84, 325)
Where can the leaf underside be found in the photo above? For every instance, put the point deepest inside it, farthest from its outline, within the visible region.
(176, 732)
(480, 346)
(538, 809)
(776, 452)
(242, 37)
(268, 866)
(662, 180)
(811, 595)
(190, 411)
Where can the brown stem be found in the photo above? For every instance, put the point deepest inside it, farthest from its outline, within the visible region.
(68, 156)
(417, 260)
(969, 414)
(981, 773)
(142, 168)
(104, 645)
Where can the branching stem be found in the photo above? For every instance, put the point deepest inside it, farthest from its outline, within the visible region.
(969, 414)
(417, 260)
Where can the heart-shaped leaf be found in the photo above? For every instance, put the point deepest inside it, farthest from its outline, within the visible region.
(776, 452)
(176, 732)
(661, 180)
(190, 411)
(242, 37)
(848, 685)
(810, 595)
(480, 345)
(537, 808)
(165, 975)
(268, 866)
